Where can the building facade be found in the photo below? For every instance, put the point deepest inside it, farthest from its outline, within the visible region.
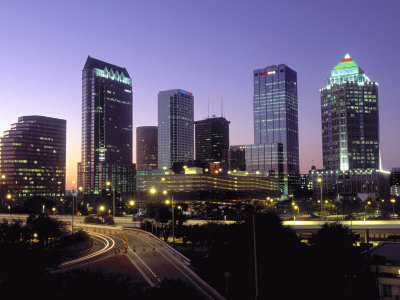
(146, 147)
(237, 158)
(106, 129)
(195, 186)
(350, 119)
(395, 182)
(175, 127)
(212, 140)
(275, 111)
(32, 159)
(366, 184)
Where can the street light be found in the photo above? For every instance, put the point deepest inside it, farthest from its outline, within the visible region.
(154, 191)
(320, 181)
(393, 202)
(173, 218)
(298, 210)
(113, 188)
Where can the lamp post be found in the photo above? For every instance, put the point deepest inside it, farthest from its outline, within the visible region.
(393, 202)
(173, 218)
(113, 188)
(2, 182)
(154, 191)
(320, 181)
(73, 206)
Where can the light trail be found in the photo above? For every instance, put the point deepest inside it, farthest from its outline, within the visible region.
(107, 246)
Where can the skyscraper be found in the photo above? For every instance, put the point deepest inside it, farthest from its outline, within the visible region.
(275, 109)
(146, 148)
(106, 128)
(350, 119)
(212, 140)
(175, 127)
(32, 159)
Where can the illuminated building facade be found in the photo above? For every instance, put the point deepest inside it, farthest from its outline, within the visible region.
(212, 140)
(175, 127)
(275, 110)
(395, 182)
(146, 147)
(350, 119)
(106, 129)
(32, 159)
(211, 185)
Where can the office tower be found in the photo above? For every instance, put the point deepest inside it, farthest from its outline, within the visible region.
(146, 148)
(212, 140)
(32, 159)
(106, 129)
(175, 127)
(276, 144)
(237, 158)
(350, 119)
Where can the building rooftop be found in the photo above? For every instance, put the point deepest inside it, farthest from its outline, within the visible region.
(92, 63)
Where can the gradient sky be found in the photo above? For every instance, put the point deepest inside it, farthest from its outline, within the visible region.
(205, 47)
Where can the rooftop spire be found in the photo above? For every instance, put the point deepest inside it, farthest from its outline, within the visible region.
(347, 56)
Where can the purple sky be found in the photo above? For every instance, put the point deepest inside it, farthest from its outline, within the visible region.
(205, 47)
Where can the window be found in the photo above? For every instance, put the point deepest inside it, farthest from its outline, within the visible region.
(387, 290)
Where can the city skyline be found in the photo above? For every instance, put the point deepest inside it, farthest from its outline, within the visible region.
(40, 37)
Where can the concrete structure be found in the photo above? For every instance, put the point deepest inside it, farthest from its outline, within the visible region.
(365, 184)
(194, 185)
(32, 159)
(106, 129)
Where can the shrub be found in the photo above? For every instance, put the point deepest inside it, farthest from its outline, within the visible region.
(109, 220)
(93, 220)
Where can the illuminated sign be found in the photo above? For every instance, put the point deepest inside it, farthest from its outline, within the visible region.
(113, 76)
(268, 73)
(342, 72)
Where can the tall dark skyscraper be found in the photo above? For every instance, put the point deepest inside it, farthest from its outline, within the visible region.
(175, 127)
(350, 119)
(32, 159)
(212, 140)
(276, 142)
(106, 128)
(146, 148)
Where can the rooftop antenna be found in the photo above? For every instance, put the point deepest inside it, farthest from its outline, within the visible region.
(222, 106)
(208, 107)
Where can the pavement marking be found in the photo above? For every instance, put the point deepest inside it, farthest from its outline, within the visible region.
(140, 271)
(180, 270)
(145, 265)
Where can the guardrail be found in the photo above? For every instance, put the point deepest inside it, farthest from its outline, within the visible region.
(170, 249)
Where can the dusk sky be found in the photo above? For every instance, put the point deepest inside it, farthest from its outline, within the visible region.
(205, 47)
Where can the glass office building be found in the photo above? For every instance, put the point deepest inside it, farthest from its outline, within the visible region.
(32, 159)
(350, 119)
(275, 111)
(237, 158)
(146, 147)
(106, 128)
(175, 127)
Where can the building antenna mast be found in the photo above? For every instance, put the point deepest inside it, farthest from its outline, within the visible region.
(222, 106)
(208, 107)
